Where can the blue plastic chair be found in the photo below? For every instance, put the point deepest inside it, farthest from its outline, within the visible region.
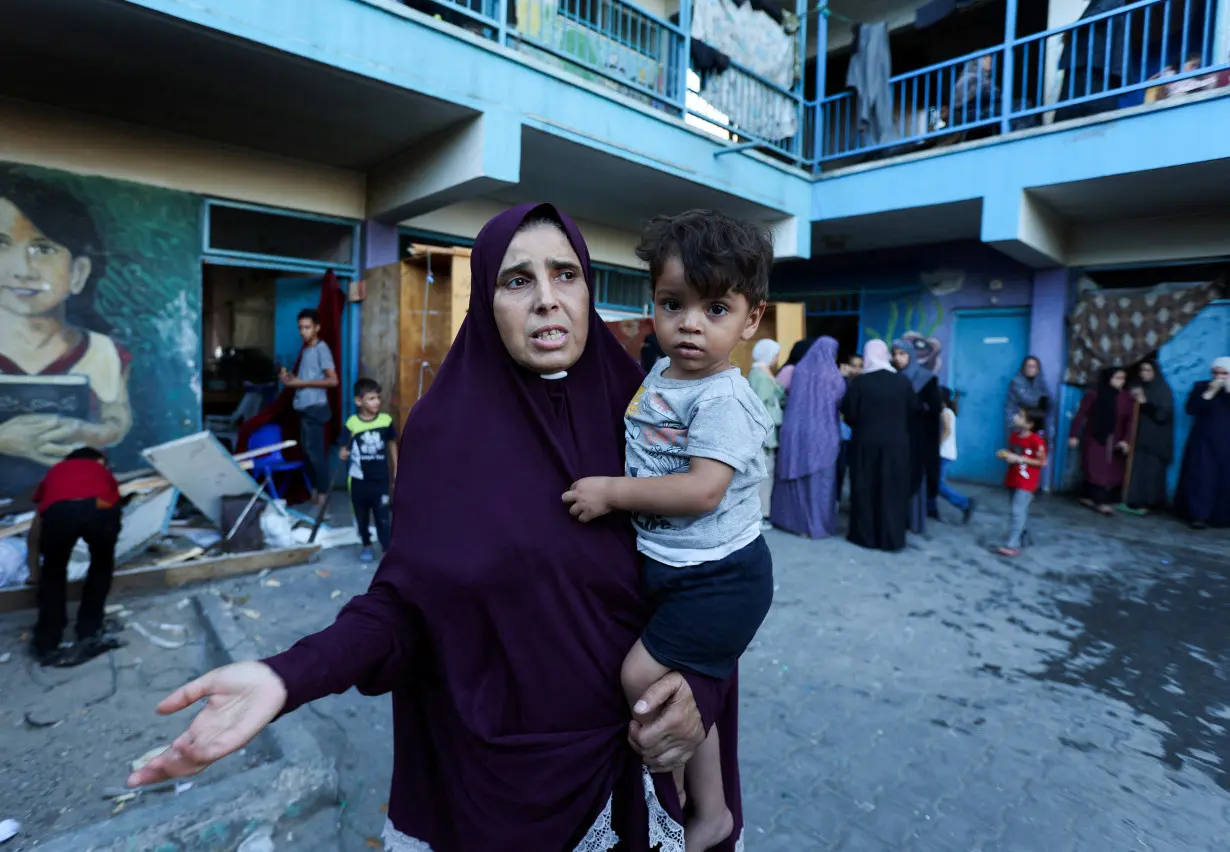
(269, 465)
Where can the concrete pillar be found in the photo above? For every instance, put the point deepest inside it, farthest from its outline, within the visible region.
(1048, 341)
(380, 243)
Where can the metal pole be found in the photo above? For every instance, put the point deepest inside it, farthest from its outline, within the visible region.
(822, 53)
(1221, 33)
(502, 12)
(800, 89)
(685, 54)
(1009, 53)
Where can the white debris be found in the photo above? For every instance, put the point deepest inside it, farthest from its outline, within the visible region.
(9, 829)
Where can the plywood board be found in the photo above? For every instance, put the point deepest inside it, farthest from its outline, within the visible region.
(461, 293)
(785, 322)
(157, 577)
(145, 519)
(380, 345)
(201, 468)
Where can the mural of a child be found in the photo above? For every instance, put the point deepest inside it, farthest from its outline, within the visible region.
(49, 251)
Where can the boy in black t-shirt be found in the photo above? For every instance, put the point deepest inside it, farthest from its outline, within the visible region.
(369, 443)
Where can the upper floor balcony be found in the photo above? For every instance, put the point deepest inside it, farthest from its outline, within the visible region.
(749, 74)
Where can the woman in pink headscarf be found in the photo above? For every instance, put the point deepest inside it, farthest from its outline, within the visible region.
(880, 407)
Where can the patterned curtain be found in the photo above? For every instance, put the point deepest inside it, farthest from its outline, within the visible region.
(1117, 328)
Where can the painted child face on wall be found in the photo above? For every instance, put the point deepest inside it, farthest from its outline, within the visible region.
(37, 274)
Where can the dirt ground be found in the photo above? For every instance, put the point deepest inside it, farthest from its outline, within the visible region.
(68, 736)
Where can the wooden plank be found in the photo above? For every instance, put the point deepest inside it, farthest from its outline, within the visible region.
(420, 250)
(162, 577)
(380, 343)
(461, 295)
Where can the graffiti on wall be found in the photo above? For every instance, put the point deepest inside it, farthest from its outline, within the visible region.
(100, 301)
(922, 313)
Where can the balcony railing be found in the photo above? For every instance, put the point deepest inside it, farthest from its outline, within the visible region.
(1139, 53)
(617, 44)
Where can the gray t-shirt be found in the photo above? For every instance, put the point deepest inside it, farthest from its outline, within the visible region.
(312, 365)
(671, 421)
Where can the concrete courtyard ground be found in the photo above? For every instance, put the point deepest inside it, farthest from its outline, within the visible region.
(943, 698)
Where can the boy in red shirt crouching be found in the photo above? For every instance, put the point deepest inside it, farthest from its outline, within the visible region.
(1026, 456)
(78, 498)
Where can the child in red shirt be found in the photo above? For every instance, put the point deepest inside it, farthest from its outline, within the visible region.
(1026, 456)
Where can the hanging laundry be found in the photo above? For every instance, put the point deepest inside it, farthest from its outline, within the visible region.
(707, 60)
(752, 39)
(871, 68)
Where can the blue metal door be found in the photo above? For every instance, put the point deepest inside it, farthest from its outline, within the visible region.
(291, 296)
(1186, 360)
(988, 348)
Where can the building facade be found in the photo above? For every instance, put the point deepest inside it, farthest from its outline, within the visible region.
(177, 181)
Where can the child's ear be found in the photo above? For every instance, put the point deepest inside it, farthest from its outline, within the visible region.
(753, 321)
(80, 274)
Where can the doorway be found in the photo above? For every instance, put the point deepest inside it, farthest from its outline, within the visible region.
(988, 348)
(249, 332)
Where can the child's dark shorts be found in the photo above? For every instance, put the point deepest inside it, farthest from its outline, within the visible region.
(706, 615)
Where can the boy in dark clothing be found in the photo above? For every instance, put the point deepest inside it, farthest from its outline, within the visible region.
(78, 498)
(369, 443)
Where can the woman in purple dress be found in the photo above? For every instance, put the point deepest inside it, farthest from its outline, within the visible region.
(804, 491)
(498, 622)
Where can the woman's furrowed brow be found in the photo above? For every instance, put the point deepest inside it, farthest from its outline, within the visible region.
(522, 268)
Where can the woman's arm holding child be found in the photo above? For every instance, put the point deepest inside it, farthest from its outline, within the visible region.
(696, 492)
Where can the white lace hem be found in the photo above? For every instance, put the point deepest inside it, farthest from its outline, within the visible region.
(664, 832)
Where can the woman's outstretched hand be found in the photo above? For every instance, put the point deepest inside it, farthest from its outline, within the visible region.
(243, 698)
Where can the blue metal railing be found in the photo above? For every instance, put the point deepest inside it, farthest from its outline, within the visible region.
(615, 43)
(1146, 49)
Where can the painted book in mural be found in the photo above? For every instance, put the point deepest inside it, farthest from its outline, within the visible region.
(65, 395)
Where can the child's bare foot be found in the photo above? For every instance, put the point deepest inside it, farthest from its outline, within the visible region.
(705, 832)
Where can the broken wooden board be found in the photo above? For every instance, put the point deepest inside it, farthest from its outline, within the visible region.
(202, 469)
(162, 577)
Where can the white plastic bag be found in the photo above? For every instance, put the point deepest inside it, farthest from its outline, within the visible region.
(13, 568)
(276, 525)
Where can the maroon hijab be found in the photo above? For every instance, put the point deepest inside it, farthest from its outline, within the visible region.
(497, 620)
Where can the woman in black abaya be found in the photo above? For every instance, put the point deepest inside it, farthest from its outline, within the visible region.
(1153, 449)
(925, 443)
(881, 409)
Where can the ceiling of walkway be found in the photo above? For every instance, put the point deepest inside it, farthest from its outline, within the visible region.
(592, 185)
(115, 60)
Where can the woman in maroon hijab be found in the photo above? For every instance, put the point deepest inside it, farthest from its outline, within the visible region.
(498, 622)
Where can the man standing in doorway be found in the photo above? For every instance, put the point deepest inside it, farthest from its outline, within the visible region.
(317, 373)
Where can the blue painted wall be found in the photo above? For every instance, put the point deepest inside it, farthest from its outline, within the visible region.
(915, 290)
(1186, 360)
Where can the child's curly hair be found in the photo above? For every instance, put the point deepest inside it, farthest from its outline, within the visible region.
(720, 254)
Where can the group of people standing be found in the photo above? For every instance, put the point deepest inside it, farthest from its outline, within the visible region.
(1124, 431)
(880, 417)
